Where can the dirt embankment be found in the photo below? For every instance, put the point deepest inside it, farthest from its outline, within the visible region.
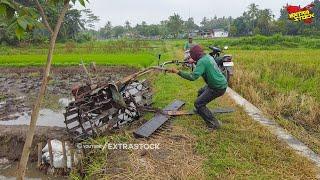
(18, 90)
(12, 139)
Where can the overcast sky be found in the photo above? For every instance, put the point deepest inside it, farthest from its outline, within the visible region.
(154, 11)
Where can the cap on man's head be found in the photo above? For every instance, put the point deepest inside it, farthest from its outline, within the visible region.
(196, 52)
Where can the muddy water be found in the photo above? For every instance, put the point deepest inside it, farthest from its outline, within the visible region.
(19, 86)
(8, 172)
(46, 118)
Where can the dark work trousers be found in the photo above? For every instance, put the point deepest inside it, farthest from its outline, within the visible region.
(206, 95)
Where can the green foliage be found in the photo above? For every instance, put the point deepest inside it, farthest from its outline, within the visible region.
(215, 23)
(137, 60)
(106, 31)
(3, 9)
(190, 25)
(295, 69)
(240, 145)
(175, 25)
(132, 53)
(90, 18)
(25, 18)
(261, 21)
(72, 26)
(21, 18)
(259, 42)
(19, 32)
(254, 21)
(285, 85)
(82, 2)
(143, 53)
(146, 30)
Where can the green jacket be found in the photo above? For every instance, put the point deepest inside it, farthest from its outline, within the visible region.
(209, 70)
(188, 46)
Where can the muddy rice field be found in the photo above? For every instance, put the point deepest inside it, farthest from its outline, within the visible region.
(18, 91)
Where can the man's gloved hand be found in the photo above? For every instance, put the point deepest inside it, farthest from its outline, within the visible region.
(172, 70)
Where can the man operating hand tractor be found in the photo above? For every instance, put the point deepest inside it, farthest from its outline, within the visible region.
(216, 83)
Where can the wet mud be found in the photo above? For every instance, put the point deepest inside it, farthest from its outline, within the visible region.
(19, 86)
(18, 90)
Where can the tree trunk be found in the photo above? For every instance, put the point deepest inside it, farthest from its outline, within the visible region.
(36, 108)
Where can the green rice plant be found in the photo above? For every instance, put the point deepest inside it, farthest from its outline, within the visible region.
(285, 85)
(138, 60)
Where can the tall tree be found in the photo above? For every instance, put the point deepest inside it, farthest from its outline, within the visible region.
(72, 25)
(153, 30)
(127, 25)
(190, 25)
(253, 11)
(128, 28)
(106, 31)
(175, 25)
(142, 29)
(264, 19)
(89, 18)
(164, 32)
(205, 24)
(7, 36)
(240, 27)
(118, 31)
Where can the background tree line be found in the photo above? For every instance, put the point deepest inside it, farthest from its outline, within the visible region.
(261, 21)
(79, 26)
(75, 26)
(254, 21)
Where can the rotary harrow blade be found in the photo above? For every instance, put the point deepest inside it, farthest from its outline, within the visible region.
(105, 107)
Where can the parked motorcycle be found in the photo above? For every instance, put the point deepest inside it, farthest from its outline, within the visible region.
(224, 62)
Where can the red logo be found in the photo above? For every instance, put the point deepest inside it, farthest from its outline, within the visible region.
(305, 14)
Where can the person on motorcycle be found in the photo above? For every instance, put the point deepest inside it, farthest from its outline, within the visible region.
(216, 83)
(188, 44)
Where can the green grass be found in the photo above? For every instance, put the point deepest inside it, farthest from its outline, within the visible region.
(285, 85)
(131, 53)
(139, 60)
(285, 70)
(283, 82)
(96, 47)
(241, 149)
(141, 52)
(275, 42)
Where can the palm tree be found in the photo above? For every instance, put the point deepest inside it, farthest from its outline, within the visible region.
(127, 25)
(253, 11)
